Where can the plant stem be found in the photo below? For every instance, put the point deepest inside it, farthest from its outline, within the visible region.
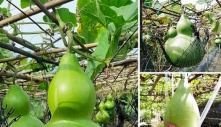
(25, 23)
(87, 55)
(70, 40)
(61, 28)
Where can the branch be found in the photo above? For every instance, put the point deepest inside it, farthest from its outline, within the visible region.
(156, 10)
(17, 50)
(218, 3)
(122, 62)
(47, 52)
(32, 11)
(21, 41)
(46, 11)
(79, 43)
(25, 77)
(155, 83)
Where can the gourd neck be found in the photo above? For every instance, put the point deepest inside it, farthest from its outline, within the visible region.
(184, 26)
(183, 85)
(69, 61)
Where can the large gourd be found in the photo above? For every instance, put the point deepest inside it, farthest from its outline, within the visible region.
(182, 110)
(18, 100)
(71, 95)
(183, 50)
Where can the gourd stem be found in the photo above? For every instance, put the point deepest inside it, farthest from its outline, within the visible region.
(61, 28)
(70, 40)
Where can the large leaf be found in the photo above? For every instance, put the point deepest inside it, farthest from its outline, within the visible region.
(123, 11)
(116, 3)
(86, 28)
(94, 67)
(216, 26)
(26, 3)
(92, 10)
(114, 44)
(82, 3)
(67, 16)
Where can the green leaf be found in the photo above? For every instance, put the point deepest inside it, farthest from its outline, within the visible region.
(36, 66)
(148, 3)
(26, 3)
(28, 88)
(2, 86)
(24, 61)
(43, 86)
(67, 16)
(114, 44)
(116, 3)
(210, 16)
(1, 1)
(94, 67)
(123, 11)
(216, 26)
(92, 10)
(48, 20)
(82, 3)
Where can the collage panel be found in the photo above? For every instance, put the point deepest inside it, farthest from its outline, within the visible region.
(69, 63)
(180, 36)
(180, 100)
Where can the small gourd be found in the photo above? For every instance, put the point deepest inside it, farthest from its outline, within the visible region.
(18, 100)
(109, 104)
(171, 32)
(102, 115)
(71, 95)
(182, 110)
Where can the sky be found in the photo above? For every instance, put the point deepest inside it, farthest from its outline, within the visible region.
(36, 38)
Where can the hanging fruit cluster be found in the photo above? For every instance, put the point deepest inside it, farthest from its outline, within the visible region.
(17, 100)
(106, 110)
(181, 47)
(182, 110)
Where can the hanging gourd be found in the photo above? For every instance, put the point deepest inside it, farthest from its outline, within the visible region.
(102, 115)
(171, 33)
(184, 49)
(182, 110)
(109, 104)
(71, 95)
(18, 100)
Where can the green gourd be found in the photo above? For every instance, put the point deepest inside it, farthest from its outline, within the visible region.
(109, 104)
(71, 95)
(102, 115)
(177, 46)
(171, 32)
(182, 110)
(17, 99)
